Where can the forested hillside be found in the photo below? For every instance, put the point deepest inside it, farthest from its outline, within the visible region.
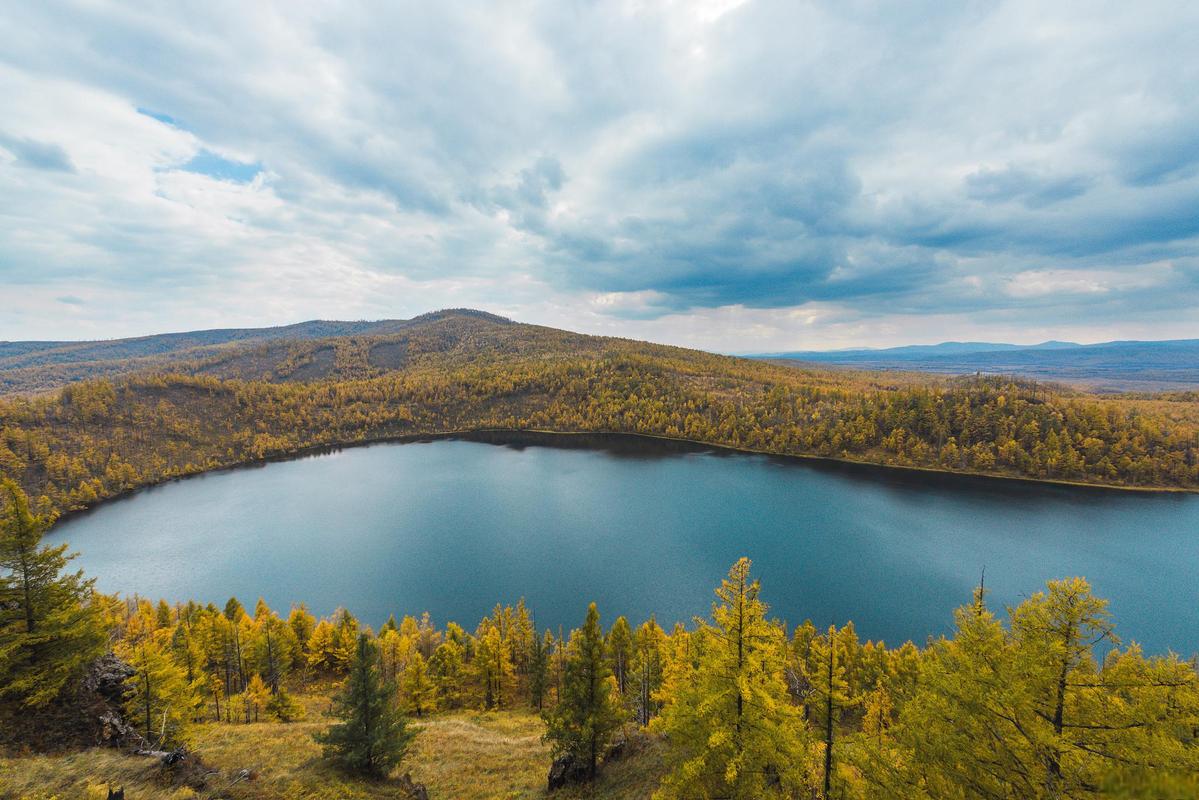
(460, 372)
(27, 367)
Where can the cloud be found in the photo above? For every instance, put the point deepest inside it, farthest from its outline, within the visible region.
(828, 169)
(37, 155)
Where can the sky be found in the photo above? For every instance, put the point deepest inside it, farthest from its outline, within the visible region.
(737, 176)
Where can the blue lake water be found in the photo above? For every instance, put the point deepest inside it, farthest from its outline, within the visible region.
(454, 526)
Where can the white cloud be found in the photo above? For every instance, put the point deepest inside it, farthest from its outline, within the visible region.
(727, 174)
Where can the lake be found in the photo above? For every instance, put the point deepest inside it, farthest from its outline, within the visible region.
(639, 526)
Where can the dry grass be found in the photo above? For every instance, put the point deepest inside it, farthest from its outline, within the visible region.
(86, 775)
(458, 756)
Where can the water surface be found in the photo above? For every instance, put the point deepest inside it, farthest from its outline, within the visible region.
(454, 526)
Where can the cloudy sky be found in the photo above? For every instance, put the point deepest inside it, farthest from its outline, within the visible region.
(738, 176)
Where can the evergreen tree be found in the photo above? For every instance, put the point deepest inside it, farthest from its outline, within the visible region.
(729, 722)
(284, 707)
(588, 713)
(373, 735)
(51, 624)
(186, 647)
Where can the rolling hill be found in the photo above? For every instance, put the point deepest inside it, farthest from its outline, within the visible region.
(39, 366)
(141, 420)
(1109, 366)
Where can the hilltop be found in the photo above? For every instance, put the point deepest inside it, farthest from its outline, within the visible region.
(39, 366)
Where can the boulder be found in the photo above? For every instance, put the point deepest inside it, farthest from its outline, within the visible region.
(108, 678)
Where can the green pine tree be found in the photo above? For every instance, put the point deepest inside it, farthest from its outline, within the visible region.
(589, 712)
(373, 735)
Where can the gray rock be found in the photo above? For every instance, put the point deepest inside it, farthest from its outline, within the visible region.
(108, 677)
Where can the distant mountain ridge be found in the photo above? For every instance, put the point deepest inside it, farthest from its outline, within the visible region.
(336, 349)
(15, 355)
(1112, 366)
(943, 348)
(302, 349)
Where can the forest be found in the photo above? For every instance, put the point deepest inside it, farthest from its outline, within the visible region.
(1042, 700)
(94, 439)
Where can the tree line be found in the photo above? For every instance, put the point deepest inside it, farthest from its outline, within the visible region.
(1047, 703)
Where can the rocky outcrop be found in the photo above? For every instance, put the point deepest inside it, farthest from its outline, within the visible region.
(101, 698)
(90, 714)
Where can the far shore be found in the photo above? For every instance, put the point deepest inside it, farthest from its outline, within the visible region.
(512, 436)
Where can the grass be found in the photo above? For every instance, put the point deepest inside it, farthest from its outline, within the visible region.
(463, 755)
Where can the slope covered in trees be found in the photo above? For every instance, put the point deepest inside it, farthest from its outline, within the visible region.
(27, 367)
(95, 439)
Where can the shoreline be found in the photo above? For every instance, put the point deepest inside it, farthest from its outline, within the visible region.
(501, 434)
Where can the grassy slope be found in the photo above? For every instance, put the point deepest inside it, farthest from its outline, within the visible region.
(463, 755)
